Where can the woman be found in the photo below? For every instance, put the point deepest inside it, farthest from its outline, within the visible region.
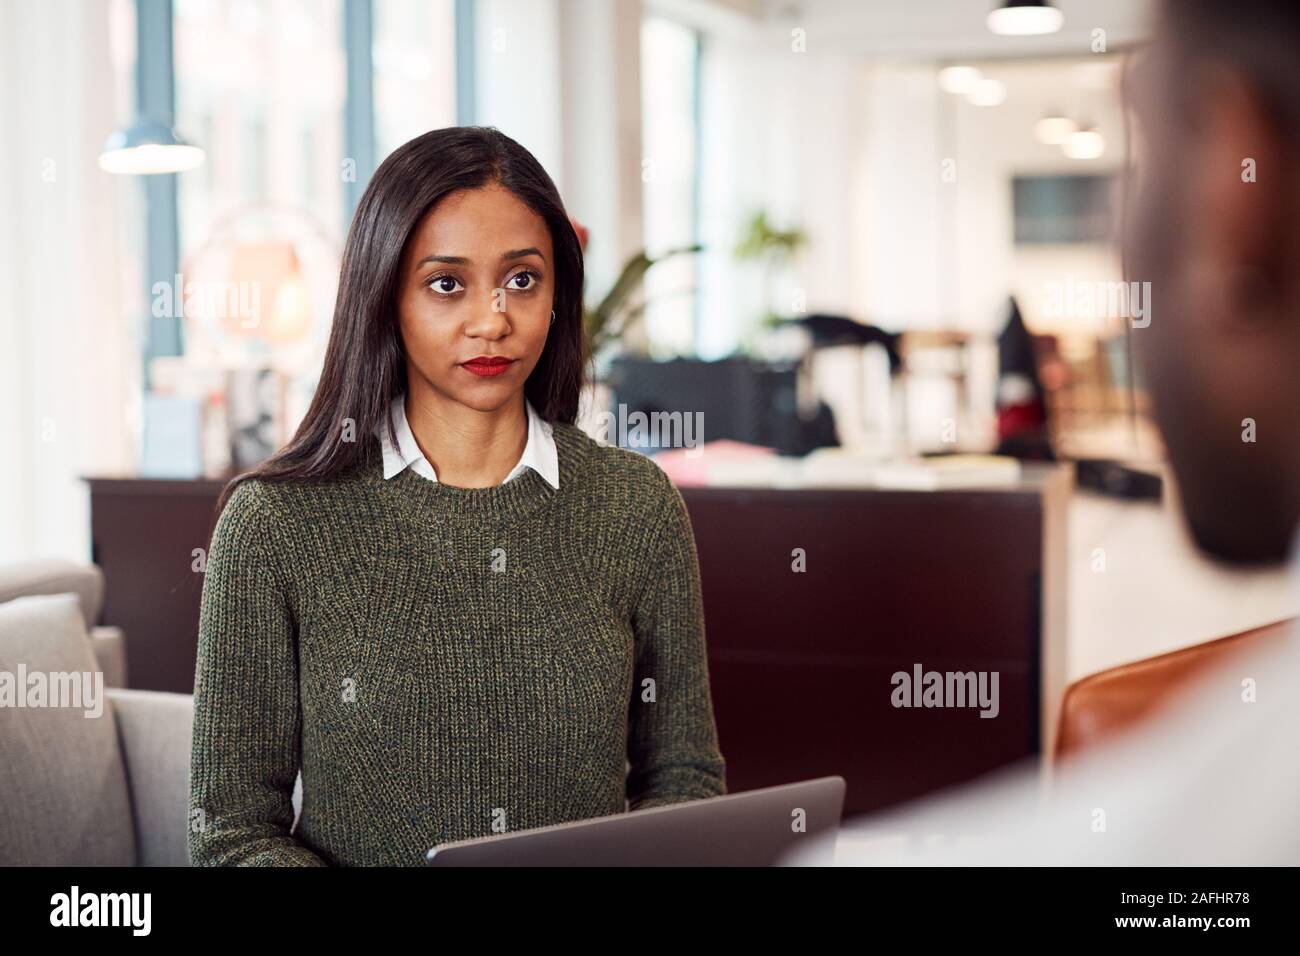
(447, 606)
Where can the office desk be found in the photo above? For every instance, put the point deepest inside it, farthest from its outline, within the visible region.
(801, 663)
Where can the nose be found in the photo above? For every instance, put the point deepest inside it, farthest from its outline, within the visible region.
(490, 319)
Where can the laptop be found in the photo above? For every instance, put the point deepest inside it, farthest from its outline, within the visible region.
(754, 828)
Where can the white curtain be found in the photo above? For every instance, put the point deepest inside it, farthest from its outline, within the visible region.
(68, 347)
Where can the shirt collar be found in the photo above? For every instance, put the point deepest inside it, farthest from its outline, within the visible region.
(539, 450)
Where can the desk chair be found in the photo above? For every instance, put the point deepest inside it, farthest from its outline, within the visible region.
(1103, 706)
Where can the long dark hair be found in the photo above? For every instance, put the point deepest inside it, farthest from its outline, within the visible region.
(365, 366)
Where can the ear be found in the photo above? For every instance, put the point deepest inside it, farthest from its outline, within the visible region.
(1242, 197)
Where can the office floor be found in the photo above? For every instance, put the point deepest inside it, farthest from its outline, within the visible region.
(1154, 593)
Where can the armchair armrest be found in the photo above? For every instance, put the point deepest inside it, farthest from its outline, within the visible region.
(109, 647)
(154, 730)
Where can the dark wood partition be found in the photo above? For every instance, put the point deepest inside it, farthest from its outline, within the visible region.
(143, 535)
(800, 663)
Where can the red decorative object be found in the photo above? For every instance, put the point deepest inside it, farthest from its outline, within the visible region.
(581, 230)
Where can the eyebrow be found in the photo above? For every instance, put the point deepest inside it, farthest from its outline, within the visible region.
(462, 261)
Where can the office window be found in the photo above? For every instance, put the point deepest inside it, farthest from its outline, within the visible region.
(414, 48)
(669, 132)
(260, 85)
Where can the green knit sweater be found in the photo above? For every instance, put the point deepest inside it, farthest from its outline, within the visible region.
(444, 663)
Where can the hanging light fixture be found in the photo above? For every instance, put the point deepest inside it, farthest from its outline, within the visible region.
(1087, 143)
(147, 147)
(959, 79)
(1054, 129)
(1025, 18)
(987, 92)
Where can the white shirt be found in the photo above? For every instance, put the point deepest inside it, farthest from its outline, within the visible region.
(1213, 781)
(539, 451)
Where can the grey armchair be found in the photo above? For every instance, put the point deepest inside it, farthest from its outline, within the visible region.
(86, 786)
(86, 583)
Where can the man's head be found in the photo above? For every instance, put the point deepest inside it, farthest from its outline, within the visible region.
(1214, 225)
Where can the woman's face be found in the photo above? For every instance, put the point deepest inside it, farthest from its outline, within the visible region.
(477, 280)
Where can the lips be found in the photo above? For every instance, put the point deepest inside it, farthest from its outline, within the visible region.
(488, 365)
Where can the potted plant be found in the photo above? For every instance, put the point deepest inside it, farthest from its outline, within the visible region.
(608, 320)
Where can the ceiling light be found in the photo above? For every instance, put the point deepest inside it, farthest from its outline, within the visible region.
(959, 79)
(988, 93)
(1025, 18)
(146, 148)
(1054, 129)
(1084, 144)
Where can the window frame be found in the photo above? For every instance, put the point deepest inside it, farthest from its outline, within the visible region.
(156, 97)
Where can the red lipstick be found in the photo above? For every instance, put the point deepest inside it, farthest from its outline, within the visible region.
(488, 365)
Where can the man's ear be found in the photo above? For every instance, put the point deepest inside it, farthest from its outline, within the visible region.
(1241, 195)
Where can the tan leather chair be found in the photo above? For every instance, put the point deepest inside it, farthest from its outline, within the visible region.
(1107, 704)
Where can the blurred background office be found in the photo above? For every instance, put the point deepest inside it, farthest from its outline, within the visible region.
(893, 163)
(861, 239)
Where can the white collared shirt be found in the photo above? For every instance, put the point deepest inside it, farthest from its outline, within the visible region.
(539, 451)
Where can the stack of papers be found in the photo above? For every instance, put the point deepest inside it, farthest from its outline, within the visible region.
(948, 471)
(728, 464)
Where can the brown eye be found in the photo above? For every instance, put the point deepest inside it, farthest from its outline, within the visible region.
(444, 285)
(523, 281)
